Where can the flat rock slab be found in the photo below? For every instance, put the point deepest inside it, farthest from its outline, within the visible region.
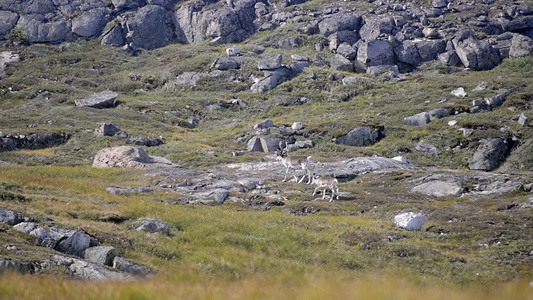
(103, 99)
(438, 188)
(128, 157)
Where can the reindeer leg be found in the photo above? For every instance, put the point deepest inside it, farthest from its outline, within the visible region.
(286, 172)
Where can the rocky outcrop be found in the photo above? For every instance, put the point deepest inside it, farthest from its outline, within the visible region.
(362, 136)
(103, 99)
(33, 141)
(489, 155)
(128, 157)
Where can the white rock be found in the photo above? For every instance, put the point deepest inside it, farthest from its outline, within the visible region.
(410, 221)
(459, 92)
(233, 52)
(297, 126)
(453, 123)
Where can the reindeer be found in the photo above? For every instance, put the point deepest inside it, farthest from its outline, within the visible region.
(293, 161)
(326, 182)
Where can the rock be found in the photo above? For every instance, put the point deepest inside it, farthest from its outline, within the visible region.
(270, 63)
(215, 196)
(521, 46)
(361, 136)
(438, 113)
(72, 242)
(7, 57)
(489, 155)
(438, 188)
(8, 265)
(26, 227)
(430, 49)
(347, 50)
(502, 186)
(481, 87)
(270, 144)
(339, 22)
(264, 124)
(304, 144)
(341, 63)
(475, 54)
(251, 183)
(419, 119)
(374, 53)
(8, 20)
(102, 255)
(300, 58)
(347, 38)
(496, 101)
(128, 157)
(226, 63)
(129, 190)
(392, 70)
(147, 20)
(297, 126)
(233, 52)
(9, 217)
(121, 264)
(290, 43)
(81, 269)
(106, 129)
(254, 145)
(146, 141)
(523, 120)
(407, 52)
(91, 23)
(459, 92)
(375, 26)
(410, 221)
(151, 225)
(426, 147)
(103, 99)
(40, 29)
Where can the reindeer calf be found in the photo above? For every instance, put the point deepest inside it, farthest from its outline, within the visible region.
(326, 182)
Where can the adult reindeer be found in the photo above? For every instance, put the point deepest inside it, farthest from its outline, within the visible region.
(293, 161)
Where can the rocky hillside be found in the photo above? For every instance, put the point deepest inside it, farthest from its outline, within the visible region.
(138, 139)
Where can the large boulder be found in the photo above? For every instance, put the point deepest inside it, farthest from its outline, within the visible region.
(150, 19)
(99, 100)
(102, 255)
(521, 46)
(376, 25)
(340, 22)
(91, 23)
(270, 63)
(341, 63)
(40, 29)
(439, 188)
(474, 53)
(151, 225)
(419, 119)
(362, 136)
(489, 155)
(410, 221)
(128, 157)
(9, 217)
(8, 20)
(374, 53)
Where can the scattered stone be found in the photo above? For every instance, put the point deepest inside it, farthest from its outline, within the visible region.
(459, 93)
(226, 63)
(106, 129)
(269, 144)
(102, 255)
(82, 269)
(410, 221)
(523, 120)
(300, 126)
(103, 99)
(233, 52)
(349, 80)
(481, 87)
(496, 101)
(438, 188)
(9, 217)
(129, 190)
(254, 145)
(489, 155)
(419, 119)
(8, 265)
(270, 63)
(426, 147)
(151, 225)
(265, 124)
(121, 264)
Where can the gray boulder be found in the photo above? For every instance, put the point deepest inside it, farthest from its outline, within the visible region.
(270, 63)
(72, 242)
(496, 101)
(374, 53)
(419, 119)
(151, 225)
(82, 269)
(270, 144)
(215, 196)
(8, 265)
(9, 217)
(407, 53)
(360, 137)
(40, 29)
(392, 70)
(115, 37)
(146, 21)
(264, 124)
(426, 147)
(430, 49)
(341, 63)
(106, 129)
(254, 145)
(438, 113)
(91, 23)
(99, 100)
(122, 264)
(376, 25)
(475, 54)
(102, 255)
(489, 155)
(226, 63)
(340, 22)
(523, 120)
(521, 46)
(8, 20)
(439, 188)
(348, 37)
(347, 50)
